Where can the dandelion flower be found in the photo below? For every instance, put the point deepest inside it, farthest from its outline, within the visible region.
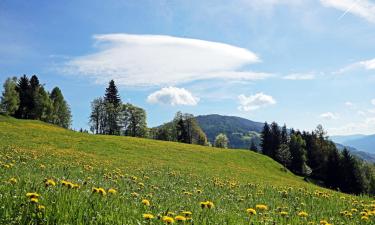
(112, 191)
(32, 195)
(180, 218)
(251, 211)
(364, 218)
(13, 180)
(34, 200)
(50, 182)
(41, 207)
(146, 202)
(303, 214)
(261, 207)
(283, 213)
(148, 216)
(187, 213)
(167, 219)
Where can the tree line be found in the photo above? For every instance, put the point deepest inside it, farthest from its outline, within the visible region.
(313, 155)
(25, 98)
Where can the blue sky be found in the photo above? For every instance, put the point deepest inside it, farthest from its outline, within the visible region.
(299, 62)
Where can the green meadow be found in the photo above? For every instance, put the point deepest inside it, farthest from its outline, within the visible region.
(50, 175)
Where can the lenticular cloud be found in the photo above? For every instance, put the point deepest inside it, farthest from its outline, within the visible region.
(154, 60)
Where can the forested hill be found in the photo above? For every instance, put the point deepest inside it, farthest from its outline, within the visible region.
(239, 131)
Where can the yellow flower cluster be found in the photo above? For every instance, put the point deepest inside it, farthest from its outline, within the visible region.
(207, 204)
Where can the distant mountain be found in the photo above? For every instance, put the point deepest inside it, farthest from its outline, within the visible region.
(369, 157)
(239, 131)
(364, 143)
(345, 138)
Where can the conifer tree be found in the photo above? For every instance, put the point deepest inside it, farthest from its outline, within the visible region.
(266, 140)
(112, 102)
(23, 89)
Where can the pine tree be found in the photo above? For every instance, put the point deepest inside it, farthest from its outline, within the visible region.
(275, 139)
(23, 89)
(352, 180)
(284, 135)
(266, 140)
(10, 97)
(34, 95)
(333, 171)
(111, 95)
(113, 103)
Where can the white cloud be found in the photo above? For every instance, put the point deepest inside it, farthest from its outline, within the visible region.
(349, 104)
(172, 96)
(361, 8)
(366, 65)
(254, 102)
(373, 101)
(366, 126)
(156, 60)
(329, 116)
(299, 76)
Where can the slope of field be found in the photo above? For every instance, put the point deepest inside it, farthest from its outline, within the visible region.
(91, 179)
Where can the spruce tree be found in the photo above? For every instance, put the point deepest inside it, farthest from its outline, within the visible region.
(113, 102)
(112, 95)
(266, 139)
(23, 89)
(34, 95)
(275, 139)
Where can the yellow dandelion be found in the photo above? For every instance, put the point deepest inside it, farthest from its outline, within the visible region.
(283, 213)
(303, 214)
(180, 218)
(251, 211)
(34, 200)
(112, 191)
(364, 218)
(187, 213)
(146, 202)
(13, 180)
(261, 207)
(32, 195)
(323, 222)
(167, 219)
(148, 216)
(41, 207)
(50, 182)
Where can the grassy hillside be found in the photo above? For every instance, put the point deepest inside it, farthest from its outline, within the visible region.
(154, 177)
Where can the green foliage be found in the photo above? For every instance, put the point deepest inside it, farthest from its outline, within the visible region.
(297, 148)
(10, 98)
(133, 121)
(27, 99)
(61, 114)
(183, 128)
(221, 141)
